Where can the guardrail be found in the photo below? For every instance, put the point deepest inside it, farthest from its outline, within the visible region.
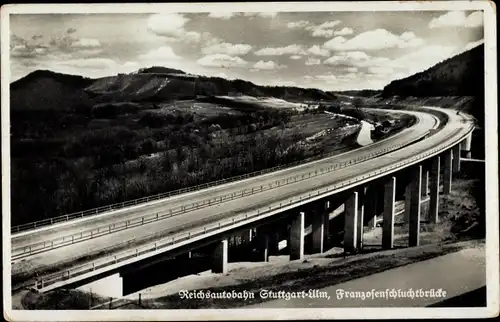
(171, 241)
(32, 249)
(99, 210)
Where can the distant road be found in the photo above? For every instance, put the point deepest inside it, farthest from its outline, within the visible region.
(456, 273)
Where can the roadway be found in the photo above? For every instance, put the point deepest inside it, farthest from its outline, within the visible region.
(212, 213)
(472, 276)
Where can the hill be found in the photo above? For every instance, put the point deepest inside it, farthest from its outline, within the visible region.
(461, 75)
(46, 90)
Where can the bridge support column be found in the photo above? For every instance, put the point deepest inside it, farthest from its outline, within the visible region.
(267, 242)
(361, 217)
(351, 222)
(406, 213)
(467, 145)
(371, 205)
(109, 286)
(448, 155)
(425, 181)
(320, 225)
(219, 260)
(297, 234)
(246, 236)
(434, 197)
(456, 158)
(388, 223)
(415, 204)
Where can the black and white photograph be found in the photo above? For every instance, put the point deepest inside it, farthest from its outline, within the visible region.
(237, 161)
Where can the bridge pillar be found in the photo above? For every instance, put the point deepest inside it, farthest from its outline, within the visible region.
(388, 223)
(448, 155)
(219, 259)
(434, 191)
(297, 233)
(467, 145)
(425, 181)
(456, 158)
(109, 286)
(267, 241)
(406, 213)
(320, 225)
(361, 216)
(246, 236)
(415, 204)
(371, 205)
(351, 222)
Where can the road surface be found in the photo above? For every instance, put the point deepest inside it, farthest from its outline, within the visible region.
(238, 206)
(456, 274)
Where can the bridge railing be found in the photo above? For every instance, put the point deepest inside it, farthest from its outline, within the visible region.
(116, 206)
(171, 241)
(121, 205)
(31, 249)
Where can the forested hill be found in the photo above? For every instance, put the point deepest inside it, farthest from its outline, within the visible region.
(461, 75)
(47, 90)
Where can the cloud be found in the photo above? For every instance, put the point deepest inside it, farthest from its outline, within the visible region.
(328, 78)
(86, 43)
(278, 51)
(380, 70)
(192, 36)
(268, 65)
(355, 59)
(168, 25)
(37, 46)
(352, 69)
(344, 32)
(324, 30)
(221, 15)
(475, 19)
(23, 51)
(419, 60)
(312, 61)
(326, 33)
(348, 76)
(374, 40)
(318, 51)
(221, 60)
(90, 63)
(457, 19)
(227, 48)
(473, 44)
(298, 24)
(162, 54)
(295, 57)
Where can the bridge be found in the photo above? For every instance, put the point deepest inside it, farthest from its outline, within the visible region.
(93, 249)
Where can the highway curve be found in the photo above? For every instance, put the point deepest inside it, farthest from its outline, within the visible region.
(200, 216)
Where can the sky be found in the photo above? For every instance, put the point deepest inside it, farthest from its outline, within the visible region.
(326, 50)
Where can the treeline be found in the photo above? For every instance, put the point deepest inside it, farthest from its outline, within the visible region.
(462, 75)
(46, 90)
(88, 168)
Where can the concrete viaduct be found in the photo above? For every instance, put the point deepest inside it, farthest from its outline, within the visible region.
(364, 202)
